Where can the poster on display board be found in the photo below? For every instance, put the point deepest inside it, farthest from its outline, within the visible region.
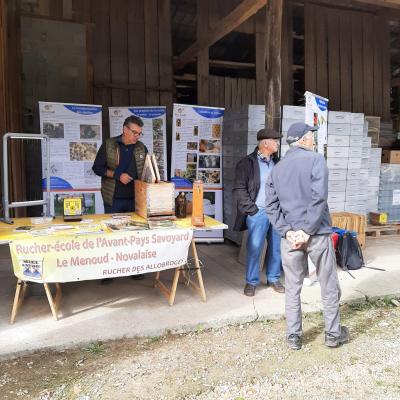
(317, 115)
(197, 155)
(154, 130)
(75, 132)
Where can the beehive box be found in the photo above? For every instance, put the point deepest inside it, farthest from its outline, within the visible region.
(351, 222)
(154, 199)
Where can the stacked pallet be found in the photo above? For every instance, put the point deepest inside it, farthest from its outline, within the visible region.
(389, 192)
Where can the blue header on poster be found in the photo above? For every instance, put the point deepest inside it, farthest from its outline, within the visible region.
(209, 112)
(321, 103)
(56, 183)
(144, 112)
(83, 110)
(181, 182)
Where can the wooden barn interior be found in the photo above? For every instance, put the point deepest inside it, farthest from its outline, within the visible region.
(222, 53)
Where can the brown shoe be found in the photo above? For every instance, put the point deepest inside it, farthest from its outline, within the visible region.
(277, 286)
(249, 290)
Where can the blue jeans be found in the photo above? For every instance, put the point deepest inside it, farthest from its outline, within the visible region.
(259, 229)
(120, 206)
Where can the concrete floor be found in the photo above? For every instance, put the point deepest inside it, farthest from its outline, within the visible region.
(128, 308)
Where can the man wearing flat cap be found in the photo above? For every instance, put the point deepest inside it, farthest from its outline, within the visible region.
(249, 193)
(296, 193)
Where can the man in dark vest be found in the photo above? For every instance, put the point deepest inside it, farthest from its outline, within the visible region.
(119, 162)
(249, 190)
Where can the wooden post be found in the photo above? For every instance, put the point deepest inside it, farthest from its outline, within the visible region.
(203, 59)
(273, 78)
(260, 37)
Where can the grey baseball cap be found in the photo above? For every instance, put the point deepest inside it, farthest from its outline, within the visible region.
(298, 130)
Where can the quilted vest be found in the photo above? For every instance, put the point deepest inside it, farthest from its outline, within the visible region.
(112, 156)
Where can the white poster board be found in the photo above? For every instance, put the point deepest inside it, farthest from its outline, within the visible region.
(154, 130)
(197, 155)
(317, 115)
(75, 132)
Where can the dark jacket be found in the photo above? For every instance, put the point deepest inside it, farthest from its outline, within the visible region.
(245, 189)
(297, 193)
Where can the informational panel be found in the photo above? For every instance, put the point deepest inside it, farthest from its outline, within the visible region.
(154, 130)
(317, 115)
(75, 132)
(196, 155)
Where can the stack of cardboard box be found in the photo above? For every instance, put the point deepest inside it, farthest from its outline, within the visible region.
(240, 128)
(290, 115)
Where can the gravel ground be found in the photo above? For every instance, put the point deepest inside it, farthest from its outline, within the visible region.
(242, 362)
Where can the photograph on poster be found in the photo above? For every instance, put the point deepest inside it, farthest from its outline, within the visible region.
(209, 161)
(178, 172)
(82, 151)
(178, 136)
(89, 132)
(190, 173)
(178, 122)
(191, 157)
(209, 146)
(88, 172)
(210, 176)
(157, 131)
(88, 202)
(191, 145)
(53, 130)
(56, 169)
(216, 131)
(195, 130)
(208, 202)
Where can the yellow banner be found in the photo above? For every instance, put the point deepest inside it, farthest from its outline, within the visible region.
(96, 256)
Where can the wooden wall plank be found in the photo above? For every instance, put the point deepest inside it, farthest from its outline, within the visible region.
(357, 60)
(151, 53)
(43, 8)
(287, 54)
(378, 75)
(119, 51)
(310, 69)
(228, 93)
(321, 45)
(386, 72)
(345, 61)
(203, 58)
(136, 53)
(368, 62)
(101, 56)
(260, 37)
(334, 60)
(56, 8)
(67, 10)
(165, 52)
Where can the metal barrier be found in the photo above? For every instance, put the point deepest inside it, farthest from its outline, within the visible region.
(45, 202)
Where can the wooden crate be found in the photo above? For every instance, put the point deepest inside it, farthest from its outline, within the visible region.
(383, 230)
(154, 199)
(352, 222)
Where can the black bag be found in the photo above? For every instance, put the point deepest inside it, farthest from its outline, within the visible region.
(348, 253)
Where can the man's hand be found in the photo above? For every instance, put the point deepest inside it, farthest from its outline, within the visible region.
(297, 238)
(302, 236)
(125, 178)
(291, 236)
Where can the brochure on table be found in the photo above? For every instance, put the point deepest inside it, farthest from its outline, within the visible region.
(317, 115)
(75, 132)
(196, 154)
(154, 130)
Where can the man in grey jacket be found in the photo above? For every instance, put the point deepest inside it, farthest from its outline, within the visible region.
(296, 193)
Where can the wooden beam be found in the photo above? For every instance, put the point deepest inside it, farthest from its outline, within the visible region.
(241, 13)
(396, 82)
(260, 40)
(273, 78)
(381, 3)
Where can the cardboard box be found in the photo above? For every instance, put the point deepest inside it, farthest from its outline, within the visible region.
(337, 163)
(356, 141)
(294, 112)
(336, 197)
(287, 123)
(336, 186)
(336, 206)
(355, 152)
(378, 218)
(357, 130)
(338, 174)
(154, 199)
(339, 129)
(339, 140)
(353, 175)
(391, 156)
(339, 117)
(354, 163)
(357, 118)
(337, 152)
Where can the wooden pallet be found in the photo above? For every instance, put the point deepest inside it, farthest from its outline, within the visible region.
(386, 230)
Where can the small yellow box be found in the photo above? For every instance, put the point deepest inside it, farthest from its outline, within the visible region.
(378, 218)
(72, 209)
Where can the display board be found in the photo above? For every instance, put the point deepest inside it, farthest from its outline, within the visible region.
(154, 130)
(75, 132)
(317, 115)
(197, 154)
